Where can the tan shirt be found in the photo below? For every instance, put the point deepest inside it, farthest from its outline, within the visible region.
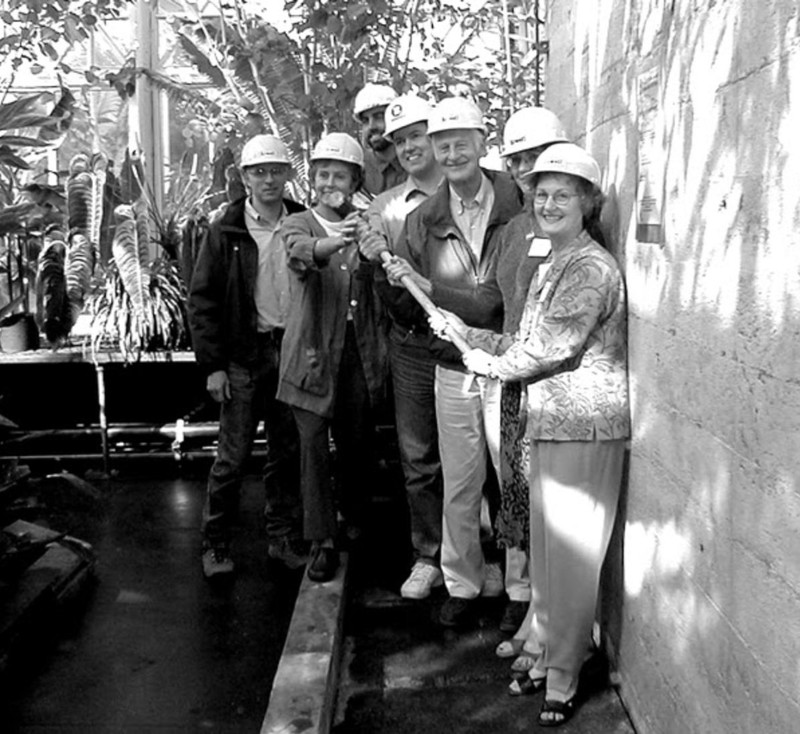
(272, 283)
(387, 213)
(472, 217)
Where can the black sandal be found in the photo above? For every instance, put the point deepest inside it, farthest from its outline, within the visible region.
(556, 713)
(526, 686)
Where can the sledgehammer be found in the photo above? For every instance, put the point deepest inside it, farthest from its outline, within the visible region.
(428, 305)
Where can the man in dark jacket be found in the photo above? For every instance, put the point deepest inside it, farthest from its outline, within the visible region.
(449, 247)
(237, 310)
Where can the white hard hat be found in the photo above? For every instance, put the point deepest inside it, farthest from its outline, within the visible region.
(530, 128)
(568, 158)
(404, 111)
(370, 97)
(264, 149)
(338, 147)
(455, 113)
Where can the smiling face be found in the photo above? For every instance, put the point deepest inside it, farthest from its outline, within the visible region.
(373, 126)
(266, 182)
(458, 152)
(559, 206)
(414, 148)
(334, 182)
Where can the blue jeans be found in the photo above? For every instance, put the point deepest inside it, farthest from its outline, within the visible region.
(417, 438)
(252, 399)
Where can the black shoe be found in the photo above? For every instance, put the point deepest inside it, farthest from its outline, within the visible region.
(513, 616)
(323, 564)
(289, 551)
(457, 612)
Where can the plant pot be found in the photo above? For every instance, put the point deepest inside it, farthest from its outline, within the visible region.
(18, 333)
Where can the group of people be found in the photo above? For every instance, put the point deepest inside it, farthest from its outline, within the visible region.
(490, 300)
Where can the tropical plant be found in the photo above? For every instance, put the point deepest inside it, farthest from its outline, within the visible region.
(67, 262)
(128, 307)
(303, 80)
(140, 303)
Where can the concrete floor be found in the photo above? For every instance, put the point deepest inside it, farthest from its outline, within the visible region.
(402, 673)
(156, 648)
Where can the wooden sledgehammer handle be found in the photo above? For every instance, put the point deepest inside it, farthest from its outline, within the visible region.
(430, 307)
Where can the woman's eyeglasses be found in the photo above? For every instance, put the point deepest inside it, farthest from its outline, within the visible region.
(560, 198)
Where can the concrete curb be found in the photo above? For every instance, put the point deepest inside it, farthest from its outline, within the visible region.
(303, 697)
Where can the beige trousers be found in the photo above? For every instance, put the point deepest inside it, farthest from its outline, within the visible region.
(574, 488)
(468, 418)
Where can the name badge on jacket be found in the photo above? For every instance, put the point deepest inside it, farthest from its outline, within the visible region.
(540, 247)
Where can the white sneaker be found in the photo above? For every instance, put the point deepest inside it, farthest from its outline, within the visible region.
(423, 578)
(493, 584)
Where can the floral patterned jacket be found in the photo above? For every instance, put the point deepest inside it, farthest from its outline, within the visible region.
(571, 347)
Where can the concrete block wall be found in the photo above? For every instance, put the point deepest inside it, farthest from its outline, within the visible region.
(702, 608)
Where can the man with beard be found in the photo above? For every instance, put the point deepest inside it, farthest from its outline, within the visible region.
(237, 314)
(382, 170)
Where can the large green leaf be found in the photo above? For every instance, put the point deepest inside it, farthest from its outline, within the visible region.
(132, 258)
(11, 112)
(21, 140)
(201, 61)
(10, 158)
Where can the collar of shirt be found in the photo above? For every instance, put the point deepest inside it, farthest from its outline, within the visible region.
(413, 189)
(262, 221)
(479, 202)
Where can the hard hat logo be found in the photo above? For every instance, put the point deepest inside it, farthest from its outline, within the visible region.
(371, 97)
(571, 159)
(405, 110)
(338, 147)
(454, 113)
(264, 149)
(531, 127)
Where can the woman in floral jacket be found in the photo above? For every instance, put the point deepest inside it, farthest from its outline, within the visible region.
(570, 350)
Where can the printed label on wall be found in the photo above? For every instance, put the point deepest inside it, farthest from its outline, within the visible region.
(650, 186)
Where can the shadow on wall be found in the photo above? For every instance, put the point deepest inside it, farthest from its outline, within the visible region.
(711, 567)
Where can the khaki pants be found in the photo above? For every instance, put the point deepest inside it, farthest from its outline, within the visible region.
(575, 489)
(468, 417)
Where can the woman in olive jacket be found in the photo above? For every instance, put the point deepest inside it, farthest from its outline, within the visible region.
(334, 353)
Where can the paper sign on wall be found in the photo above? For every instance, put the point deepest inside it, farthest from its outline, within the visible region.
(650, 184)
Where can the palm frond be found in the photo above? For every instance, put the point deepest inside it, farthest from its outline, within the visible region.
(201, 60)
